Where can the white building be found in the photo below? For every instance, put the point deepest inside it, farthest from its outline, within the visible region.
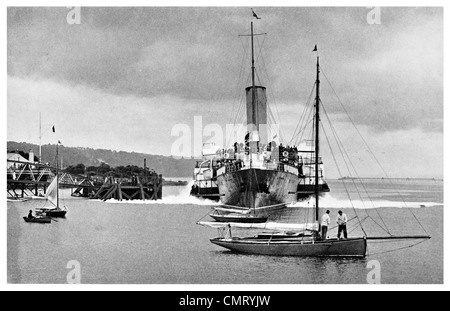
(13, 156)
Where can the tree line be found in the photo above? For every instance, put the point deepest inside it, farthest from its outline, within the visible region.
(104, 170)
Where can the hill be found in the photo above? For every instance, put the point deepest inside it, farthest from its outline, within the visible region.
(167, 166)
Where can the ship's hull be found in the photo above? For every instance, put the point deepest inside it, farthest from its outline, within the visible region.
(307, 190)
(208, 193)
(268, 189)
(355, 247)
(303, 191)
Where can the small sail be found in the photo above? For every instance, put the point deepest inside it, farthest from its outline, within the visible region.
(52, 192)
(275, 226)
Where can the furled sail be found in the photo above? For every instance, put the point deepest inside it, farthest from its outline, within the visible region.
(230, 210)
(274, 226)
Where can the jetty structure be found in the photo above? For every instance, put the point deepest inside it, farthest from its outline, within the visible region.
(27, 179)
(145, 188)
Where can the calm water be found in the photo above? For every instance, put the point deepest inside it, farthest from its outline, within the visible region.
(160, 243)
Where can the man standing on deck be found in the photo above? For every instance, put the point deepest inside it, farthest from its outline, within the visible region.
(325, 224)
(342, 223)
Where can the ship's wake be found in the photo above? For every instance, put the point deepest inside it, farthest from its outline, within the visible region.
(183, 197)
(328, 201)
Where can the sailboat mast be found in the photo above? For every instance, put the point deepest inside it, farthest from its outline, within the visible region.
(57, 182)
(40, 137)
(317, 120)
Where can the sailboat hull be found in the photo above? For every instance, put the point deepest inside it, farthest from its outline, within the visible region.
(238, 218)
(270, 189)
(355, 247)
(56, 214)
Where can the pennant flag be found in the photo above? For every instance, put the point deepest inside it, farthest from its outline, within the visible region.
(53, 128)
(254, 15)
(315, 48)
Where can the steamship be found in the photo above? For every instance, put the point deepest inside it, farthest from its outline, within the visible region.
(259, 174)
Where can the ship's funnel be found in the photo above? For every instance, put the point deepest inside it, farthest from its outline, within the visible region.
(257, 111)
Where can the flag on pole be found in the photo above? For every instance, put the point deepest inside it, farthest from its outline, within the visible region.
(254, 15)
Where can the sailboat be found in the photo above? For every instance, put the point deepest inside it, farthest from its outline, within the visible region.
(227, 214)
(291, 239)
(54, 210)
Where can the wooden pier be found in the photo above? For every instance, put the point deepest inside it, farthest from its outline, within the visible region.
(32, 179)
(150, 188)
(27, 179)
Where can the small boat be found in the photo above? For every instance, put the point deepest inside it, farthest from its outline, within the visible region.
(52, 196)
(232, 217)
(39, 220)
(14, 199)
(55, 212)
(228, 214)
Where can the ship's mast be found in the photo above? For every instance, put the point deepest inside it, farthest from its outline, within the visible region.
(317, 120)
(252, 198)
(254, 106)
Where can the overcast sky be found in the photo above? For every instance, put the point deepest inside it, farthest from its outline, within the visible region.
(124, 77)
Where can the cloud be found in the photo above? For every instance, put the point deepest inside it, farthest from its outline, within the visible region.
(86, 116)
(89, 117)
(155, 67)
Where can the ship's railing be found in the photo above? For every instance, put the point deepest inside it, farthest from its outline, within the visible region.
(207, 184)
(281, 167)
(278, 166)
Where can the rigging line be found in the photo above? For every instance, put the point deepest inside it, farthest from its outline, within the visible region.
(205, 215)
(357, 175)
(340, 147)
(372, 153)
(302, 116)
(242, 94)
(301, 131)
(349, 221)
(305, 116)
(259, 54)
(241, 70)
(239, 112)
(356, 227)
(239, 102)
(339, 170)
(398, 249)
(271, 94)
